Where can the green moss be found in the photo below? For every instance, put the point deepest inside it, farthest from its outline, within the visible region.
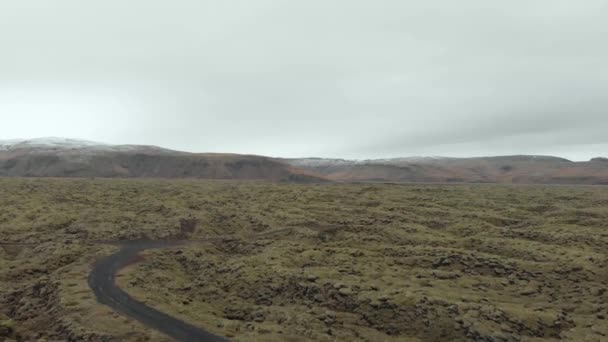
(312, 262)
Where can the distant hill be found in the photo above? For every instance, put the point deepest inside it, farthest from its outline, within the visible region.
(57, 157)
(504, 169)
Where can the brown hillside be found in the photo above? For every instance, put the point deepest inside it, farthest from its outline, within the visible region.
(146, 163)
(507, 169)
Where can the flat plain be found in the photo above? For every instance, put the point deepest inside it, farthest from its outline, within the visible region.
(308, 262)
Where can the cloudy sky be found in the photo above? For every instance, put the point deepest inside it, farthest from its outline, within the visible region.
(329, 78)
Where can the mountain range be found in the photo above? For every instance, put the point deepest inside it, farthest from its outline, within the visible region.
(60, 157)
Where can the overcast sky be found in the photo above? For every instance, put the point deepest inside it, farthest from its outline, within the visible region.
(328, 78)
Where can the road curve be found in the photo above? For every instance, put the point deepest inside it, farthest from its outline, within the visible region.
(101, 281)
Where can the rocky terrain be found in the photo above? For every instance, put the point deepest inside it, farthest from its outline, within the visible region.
(322, 262)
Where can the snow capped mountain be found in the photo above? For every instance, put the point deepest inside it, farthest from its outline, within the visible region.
(66, 145)
(61, 157)
(48, 142)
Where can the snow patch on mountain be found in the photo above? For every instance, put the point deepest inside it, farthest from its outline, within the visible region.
(317, 162)
(49, 142)
(328, 162)
(67, 145)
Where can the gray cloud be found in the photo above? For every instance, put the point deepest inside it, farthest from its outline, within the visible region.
(353, 78)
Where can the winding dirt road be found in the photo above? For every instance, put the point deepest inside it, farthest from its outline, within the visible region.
(101, 281)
